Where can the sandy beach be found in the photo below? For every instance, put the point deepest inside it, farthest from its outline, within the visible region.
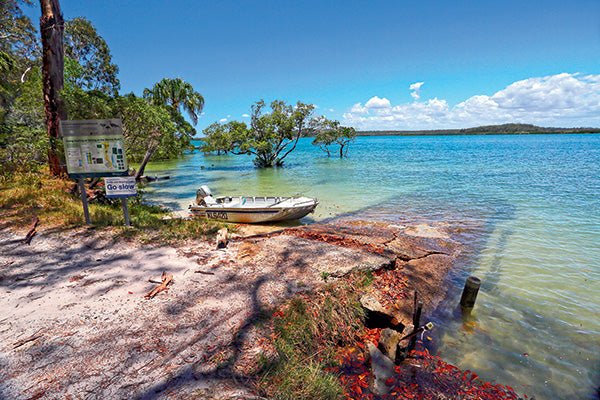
(75, 323)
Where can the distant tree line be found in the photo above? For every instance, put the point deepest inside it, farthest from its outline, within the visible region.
(517, 129)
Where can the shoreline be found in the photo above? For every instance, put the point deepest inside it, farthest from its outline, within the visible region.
(88, 306)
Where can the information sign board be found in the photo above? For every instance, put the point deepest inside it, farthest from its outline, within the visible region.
(120, 187)
(94, 148)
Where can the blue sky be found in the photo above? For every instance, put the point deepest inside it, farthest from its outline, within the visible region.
(479, 61)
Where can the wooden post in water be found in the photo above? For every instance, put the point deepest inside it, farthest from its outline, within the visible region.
(416, 322)
(469, 294)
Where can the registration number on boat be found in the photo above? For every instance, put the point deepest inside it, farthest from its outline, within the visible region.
(216, 214)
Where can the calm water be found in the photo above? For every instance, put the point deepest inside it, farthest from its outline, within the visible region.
(535, 202)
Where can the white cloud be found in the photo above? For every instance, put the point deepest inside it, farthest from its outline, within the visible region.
(376, 102)
(222, 120)
(330, 110)
(556, 100)
(358, 109)
(245, 116)
(415, 89)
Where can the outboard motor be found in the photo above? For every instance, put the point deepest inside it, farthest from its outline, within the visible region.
(204, 196)
(204, 191)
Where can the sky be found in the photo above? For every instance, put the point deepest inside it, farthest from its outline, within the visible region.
(374, 65)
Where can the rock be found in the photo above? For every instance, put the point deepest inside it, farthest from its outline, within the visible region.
(402, 348)
(408, 329)
(388, 342)
(376, 316)
(222, 238)
(382, 368)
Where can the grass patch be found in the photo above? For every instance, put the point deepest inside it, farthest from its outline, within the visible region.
(26, 195)
(308, 332)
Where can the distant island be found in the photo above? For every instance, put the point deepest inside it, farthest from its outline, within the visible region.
(512, 129)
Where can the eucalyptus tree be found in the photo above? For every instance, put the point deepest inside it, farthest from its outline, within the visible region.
(52, 31)
(84, 45)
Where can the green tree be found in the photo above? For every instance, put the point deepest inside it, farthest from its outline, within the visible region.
(273, 136)
(220, 138)
(84, 45)
(84, 104)
(329, 133)
(178, 95)
(23, 139)
(18, 51)
(17, 34)
(149, 130)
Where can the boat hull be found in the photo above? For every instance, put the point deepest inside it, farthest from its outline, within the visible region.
(253, 215)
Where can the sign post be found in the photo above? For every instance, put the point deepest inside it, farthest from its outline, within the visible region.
(125, 211)
(121, 188)
(93, 149)
(86, 211)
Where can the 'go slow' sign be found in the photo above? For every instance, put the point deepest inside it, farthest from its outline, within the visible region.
(120, 187)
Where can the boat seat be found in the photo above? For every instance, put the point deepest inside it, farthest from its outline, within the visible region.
(209, 201)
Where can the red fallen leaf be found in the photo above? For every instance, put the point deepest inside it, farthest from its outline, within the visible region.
(525, 354)
(130, 292)
(389, 381)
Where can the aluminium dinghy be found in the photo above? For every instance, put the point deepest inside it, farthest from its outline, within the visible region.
(251, 209)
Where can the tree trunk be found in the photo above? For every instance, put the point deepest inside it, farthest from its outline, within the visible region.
(147, 156)
(51, 28)
(341, 151)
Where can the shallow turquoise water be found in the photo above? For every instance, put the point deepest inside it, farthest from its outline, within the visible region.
(535, 203)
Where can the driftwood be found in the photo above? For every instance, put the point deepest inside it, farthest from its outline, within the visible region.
(222, 238)
(32, 231)
(167, 279)
(28, 339)
(154, 178)
(204, 272)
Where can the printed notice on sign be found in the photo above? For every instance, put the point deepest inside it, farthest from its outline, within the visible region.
(120, 187)
(94, 148)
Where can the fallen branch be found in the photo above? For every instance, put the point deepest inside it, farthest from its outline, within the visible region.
(32, 231)
(204, 272)
(29, 277)
(31, 338)
(167, 279)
